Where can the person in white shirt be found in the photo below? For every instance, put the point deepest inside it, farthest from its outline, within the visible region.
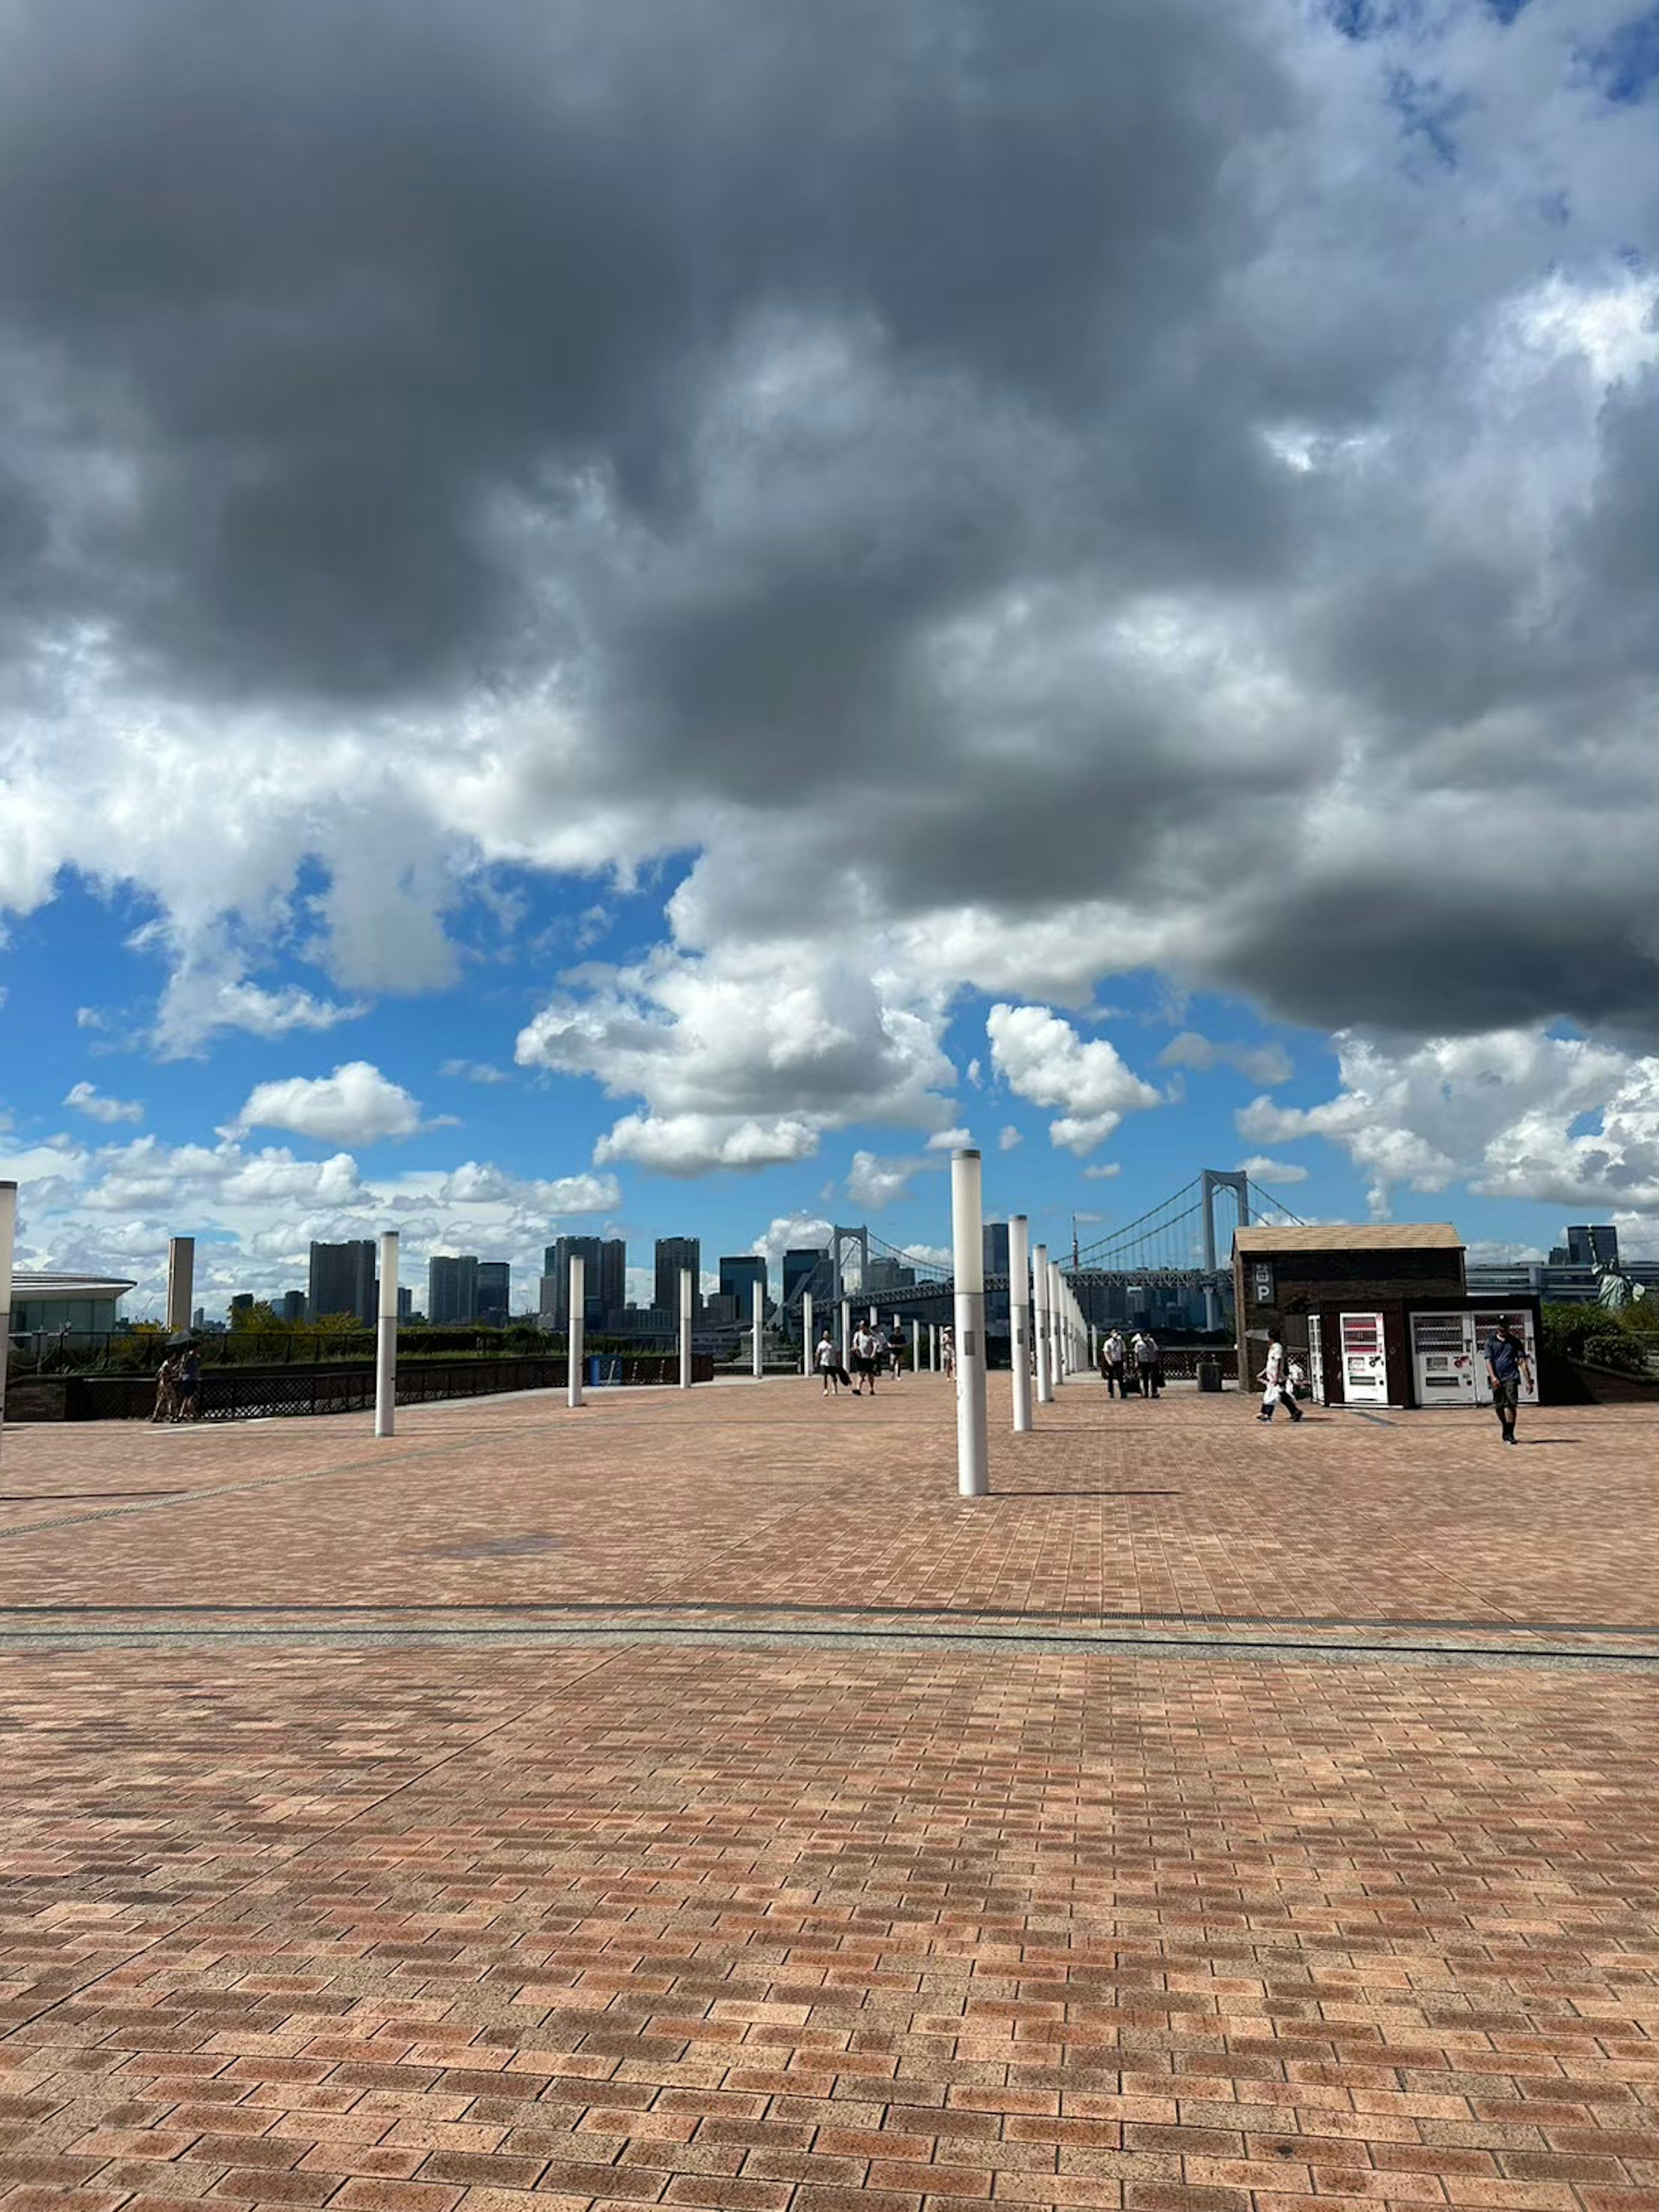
(1111, 1364)
(1274, 1392)
(863, 1361)
(826, 1359)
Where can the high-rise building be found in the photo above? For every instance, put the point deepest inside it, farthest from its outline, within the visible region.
(800, 1264)
(605, 1284)
(738, 1275)
(452, 1286)
(241, 1304)
(494, 1291)
(405, 1301)
(291, 1306)
(613, 1280)
(342, 1281)
(674, 1253)
(994, 1245)
(1593, 1245)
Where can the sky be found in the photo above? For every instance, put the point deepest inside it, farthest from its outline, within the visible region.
(637, 620)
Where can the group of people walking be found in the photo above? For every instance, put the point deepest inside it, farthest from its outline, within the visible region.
(178, 1387)
(872, 1352)
(1131, 1367)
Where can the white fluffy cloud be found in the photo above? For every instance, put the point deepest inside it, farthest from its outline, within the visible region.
(1042, 1058)
(978, 633)
(949, 1140)
(86, 1100)
(693, 1144)
(1503, 1113)
(742, 1058)
(873, 1183)
(1008, 1138)
(254, 1213)
(1260, 1168)
(356, 1105)
(801, 1232)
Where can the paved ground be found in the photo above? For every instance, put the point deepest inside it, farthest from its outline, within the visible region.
(692, 1802)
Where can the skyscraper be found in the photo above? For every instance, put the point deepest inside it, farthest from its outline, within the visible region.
(494, 1291)
(342, 1281)
(994, 1244)
(800, 1264)
(1593, 1245)
(738, 1275)
(452, 1287)
(291, 1306)
(613, 1280)
(674, 1253)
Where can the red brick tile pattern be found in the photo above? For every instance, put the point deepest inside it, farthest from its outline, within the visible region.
(525, 1929)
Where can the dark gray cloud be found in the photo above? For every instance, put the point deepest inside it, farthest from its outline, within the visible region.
(959, 466)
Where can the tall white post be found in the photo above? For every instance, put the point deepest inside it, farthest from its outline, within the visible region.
(757, 1309)
(967, 1237)
(8, 1238)
(1045, 1381)
(685, 1328)
(386, 1339)
(932, 1347)
(575, 1330)
(1094, 1349)
(847, 1334)
(874, 1317)
(1057, 1373)
(807, 1347)
(1019, 1317)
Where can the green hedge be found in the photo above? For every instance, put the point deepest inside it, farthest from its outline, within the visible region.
(1592, 1332)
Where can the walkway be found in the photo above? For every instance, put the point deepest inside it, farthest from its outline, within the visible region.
(691, 1801)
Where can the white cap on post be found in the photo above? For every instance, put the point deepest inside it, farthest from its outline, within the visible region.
(968, 1249)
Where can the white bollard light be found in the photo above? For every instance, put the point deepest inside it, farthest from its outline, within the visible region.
(1045, 1381)
(575, 1329)
(1055, 1372)
(967, 1237)
(8, 1238)
(386, 1339)
(685, 1328)
(807, 1347)
(1019, 1317)
(847, 1334)
(757, 1309)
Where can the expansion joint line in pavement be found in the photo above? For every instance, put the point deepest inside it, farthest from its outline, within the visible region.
(735, 1627)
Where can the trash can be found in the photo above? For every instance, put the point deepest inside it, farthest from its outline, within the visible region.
(1209, 1374)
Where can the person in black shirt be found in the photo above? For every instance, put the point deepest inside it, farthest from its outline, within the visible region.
(1506, 1365)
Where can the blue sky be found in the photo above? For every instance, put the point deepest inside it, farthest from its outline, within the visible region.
(634, 646)
(79, 1015)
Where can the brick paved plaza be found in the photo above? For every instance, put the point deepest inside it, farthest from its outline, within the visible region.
(690, 1800)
